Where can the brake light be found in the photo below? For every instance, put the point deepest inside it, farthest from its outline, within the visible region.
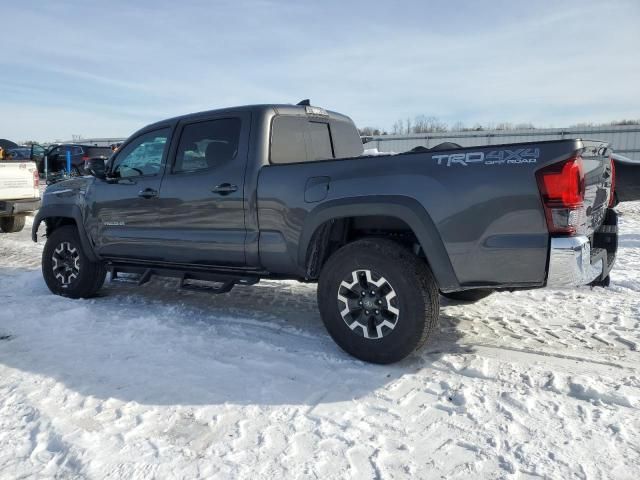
(612, 197)
(36, 179)
(562, 189)
(85, 159)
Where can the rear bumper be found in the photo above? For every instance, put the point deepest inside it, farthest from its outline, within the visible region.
(9, 208)
(575, 261)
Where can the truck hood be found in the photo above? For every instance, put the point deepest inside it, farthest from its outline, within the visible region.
(68, 188)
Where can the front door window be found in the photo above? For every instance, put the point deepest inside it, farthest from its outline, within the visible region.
(143, 156)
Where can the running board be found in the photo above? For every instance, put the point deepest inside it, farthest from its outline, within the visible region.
(117, 278)
(224, 286)
(137, 279)
(196, 287)
(223, 283)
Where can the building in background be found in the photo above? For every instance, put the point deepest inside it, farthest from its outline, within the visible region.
(624, 139)
(95, 142)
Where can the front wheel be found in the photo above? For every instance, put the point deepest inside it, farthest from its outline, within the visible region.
(378, 301)
(66, 269)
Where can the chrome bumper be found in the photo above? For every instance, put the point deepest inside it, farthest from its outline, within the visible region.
(14, 207)
(571, 263)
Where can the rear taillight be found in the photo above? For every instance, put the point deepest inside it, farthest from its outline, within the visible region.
(85, 159)
(562, 189)
(612, 196)
(36, 179)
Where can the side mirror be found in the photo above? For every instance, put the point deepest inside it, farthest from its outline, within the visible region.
(95, 167)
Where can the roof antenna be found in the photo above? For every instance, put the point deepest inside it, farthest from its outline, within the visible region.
(305, 103)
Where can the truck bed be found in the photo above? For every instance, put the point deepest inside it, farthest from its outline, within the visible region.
(482, 208)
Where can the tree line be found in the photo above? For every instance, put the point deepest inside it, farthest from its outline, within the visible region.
(426, 124)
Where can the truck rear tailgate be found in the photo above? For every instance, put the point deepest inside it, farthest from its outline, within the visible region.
(18, 180)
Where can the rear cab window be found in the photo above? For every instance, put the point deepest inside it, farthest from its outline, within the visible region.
(319, 141)
(297, 139)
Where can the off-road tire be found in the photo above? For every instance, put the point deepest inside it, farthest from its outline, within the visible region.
(12, 224)
(90, 276)
(417, 299)
(468, 296)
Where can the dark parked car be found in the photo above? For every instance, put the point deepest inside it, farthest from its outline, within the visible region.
(80, 155)
(7, 144)
(33, 152)
(20, 153)
(282, 191)
(627, 178)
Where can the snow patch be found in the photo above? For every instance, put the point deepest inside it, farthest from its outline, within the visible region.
(152, 382)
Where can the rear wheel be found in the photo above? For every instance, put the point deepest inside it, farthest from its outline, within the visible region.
(469, 295)
(378, 301)
(66, 269)
(12, 224)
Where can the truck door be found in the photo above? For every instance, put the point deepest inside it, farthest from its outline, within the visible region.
(124, 211)
(202, 195)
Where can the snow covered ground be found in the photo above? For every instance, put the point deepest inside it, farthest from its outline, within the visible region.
(152, 382)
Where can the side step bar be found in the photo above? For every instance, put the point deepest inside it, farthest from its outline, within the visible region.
(224, 287)
(222, 283)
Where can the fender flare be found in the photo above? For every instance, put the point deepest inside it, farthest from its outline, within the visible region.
(65, 211)
(409, 210)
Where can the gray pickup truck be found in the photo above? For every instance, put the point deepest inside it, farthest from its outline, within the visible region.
(231, 196)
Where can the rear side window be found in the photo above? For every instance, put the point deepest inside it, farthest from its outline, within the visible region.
(296, 139)
(205, 145)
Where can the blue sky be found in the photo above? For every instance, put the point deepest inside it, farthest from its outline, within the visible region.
(109, 68)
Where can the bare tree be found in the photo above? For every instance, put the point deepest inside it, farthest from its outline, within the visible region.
(429, 125)
(398, 128)
(458, 127)
(370, 132)
(419, 124)
(625, 122)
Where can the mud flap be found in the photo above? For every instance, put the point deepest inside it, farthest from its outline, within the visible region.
(606, 238)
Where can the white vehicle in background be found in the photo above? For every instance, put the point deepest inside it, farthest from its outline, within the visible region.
(19, 193)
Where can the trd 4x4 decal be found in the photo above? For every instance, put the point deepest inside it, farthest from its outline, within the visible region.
(494, 157)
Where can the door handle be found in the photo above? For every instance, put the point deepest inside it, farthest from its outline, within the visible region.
(148, 193)
(225, 189)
